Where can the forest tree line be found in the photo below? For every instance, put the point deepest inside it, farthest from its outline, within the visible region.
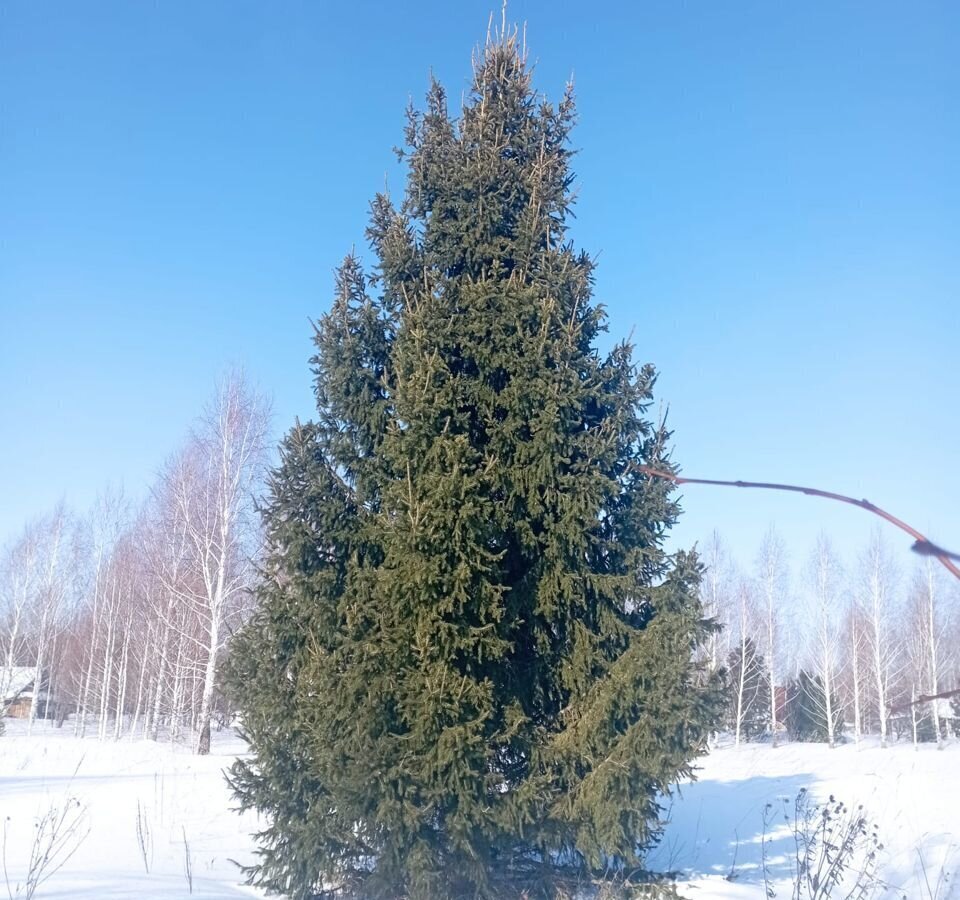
(821, 648)
(124, 612)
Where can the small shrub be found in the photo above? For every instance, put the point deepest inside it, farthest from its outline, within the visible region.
(58, 834)
(144, 837)
(835, 849)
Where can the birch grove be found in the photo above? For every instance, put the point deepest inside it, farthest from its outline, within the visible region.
(859, 648)
(122, 615)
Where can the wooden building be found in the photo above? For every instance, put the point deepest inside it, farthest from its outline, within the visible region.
(17, 689)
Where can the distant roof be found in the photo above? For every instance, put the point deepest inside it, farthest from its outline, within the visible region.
(14, 681)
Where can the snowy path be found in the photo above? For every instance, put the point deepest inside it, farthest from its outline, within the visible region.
(714, 825)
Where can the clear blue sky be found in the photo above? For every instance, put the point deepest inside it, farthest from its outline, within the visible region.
(773, 189)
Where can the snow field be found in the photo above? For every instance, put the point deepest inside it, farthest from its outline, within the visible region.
(181, 800)
(714, 825)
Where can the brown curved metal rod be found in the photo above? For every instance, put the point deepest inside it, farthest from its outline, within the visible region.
(921, 544)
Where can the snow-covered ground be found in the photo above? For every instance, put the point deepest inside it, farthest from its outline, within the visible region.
(181, 799)
(715, 824)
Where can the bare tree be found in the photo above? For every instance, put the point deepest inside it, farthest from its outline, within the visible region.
(716, 598)
(52, 583)
(130, 617)
(166, 549)
(33, 588)
(877, 585)
(857, 644)
(772, 580)
(927, 629)
(18, 578)
(211, 484)
(825, 576)
(104, 527)
(744, 692)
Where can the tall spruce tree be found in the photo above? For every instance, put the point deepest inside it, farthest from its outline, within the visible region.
(472, 672)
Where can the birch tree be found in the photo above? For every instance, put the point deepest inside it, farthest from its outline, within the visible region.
(746, 667)
(17, 587)
(212, 486)
(877, 584)
(825, 574)
(33, 588)
(857, 650)
(715, 594)
(772, 578)
(104, 526)
(170, 600)
(928, 626)
(48, 602)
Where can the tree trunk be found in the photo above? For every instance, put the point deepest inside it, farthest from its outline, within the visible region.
(855, 663)
(161, 675)
(107, 680)
(828, 702)
(913, 717)
(38, 674)
(771, 648)
(122, 684)
(881, 688)
(203, 742)
(932, 661)
(141, 678)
